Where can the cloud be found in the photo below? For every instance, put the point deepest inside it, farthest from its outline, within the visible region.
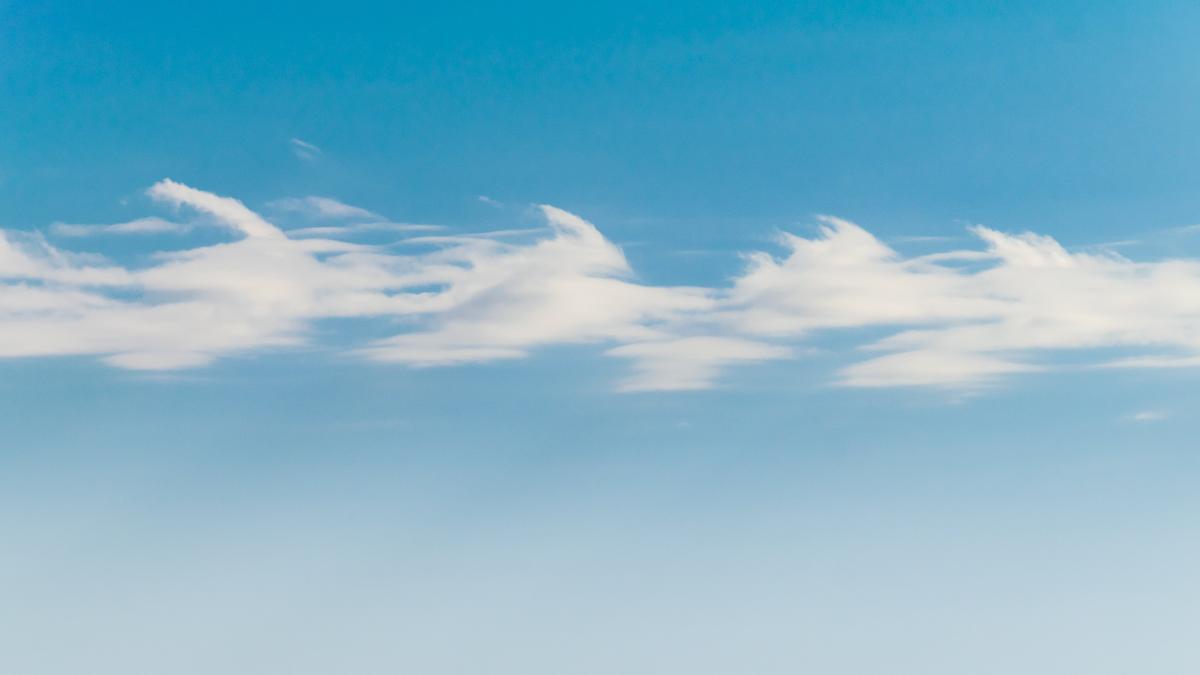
(500, 300)
(304, 150)
(962, 318)
(360, 228)
(691, 362)
(27, 259)
(225, 209)
(1148, 416)
(321, 208)
(139, 226)
(958, 318)
(467, 299)
(929, 367)
(314, 208)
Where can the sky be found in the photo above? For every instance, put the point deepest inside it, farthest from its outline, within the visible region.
(836, 338)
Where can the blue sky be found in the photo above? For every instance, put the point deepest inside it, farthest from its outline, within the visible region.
(523, 338)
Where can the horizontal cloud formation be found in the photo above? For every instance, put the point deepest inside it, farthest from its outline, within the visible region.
(149, 225)
(960, 318)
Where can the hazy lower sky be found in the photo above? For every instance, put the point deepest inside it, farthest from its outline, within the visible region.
(530, 339)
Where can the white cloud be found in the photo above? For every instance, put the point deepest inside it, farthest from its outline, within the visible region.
(843, 279)
(927, 368)
(139, 226)
(302, 149)
(490, 299)
(225, 209)
(321, 207)
(962, 318)
(336, 231)
(26, 258)
(691, 362)
(957, 318)
(500, 300)
(314, 208)
(1149, 416)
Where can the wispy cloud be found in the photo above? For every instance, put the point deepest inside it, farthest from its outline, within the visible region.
(964, 318)
(139, 226)
(264, 290)
(226, 210)
(501, 300)
(343, 215)
(467, 238)
(1148, 416)
(957, 318)
(690, 362)
(923, 239)
(342, 231)
(321, 208)
(304, 150)
(489, 201)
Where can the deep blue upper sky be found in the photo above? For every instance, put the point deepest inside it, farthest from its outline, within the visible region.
(688, 123)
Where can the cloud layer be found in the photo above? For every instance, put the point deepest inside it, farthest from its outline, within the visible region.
(958, 318)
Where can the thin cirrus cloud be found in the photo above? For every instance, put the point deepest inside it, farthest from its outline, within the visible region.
(361, 228)
(960, 318)
(349, 219)
(321, 207)
(139, 226)
(304, 150)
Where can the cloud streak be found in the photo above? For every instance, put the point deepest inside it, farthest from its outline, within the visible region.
(960, 318)
(321, 207)
(1148, 416)
(304, 150)
(141, 226)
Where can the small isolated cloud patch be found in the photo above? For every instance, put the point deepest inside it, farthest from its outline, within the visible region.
(1148, 416)
(304, 150)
